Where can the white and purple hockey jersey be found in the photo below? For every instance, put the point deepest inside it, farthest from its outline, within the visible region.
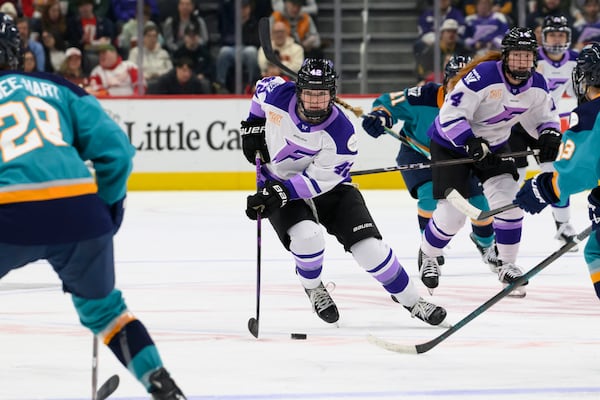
(558, 74)
(484, 104)
(309, 159)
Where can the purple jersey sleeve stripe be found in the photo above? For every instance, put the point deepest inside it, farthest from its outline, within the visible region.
(548, 125)
(256, 111)
(458, 134)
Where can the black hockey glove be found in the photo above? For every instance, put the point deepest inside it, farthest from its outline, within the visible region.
(549, 142)
(117, 212)
(594, 209)
(253, 140)
(374, 123)
(479, 150)
(273, 196)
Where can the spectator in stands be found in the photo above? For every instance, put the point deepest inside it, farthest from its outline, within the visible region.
(302, 27)
(30, 44)
(87, 30)
(202, 63)
(546, 8)
(101, 8)
(22, 7)
(485, 29)
(71, 68)
(310, 7)
(448, 44)
(113, 76)
(156, 61)
(587, 30)
(502, 6)
(180, 80)
(51, 18)
(250, 45)
(174, 27)
(9, 9)
(425, 26)
(29, 61)
(127, 39)
(290, 53)
(54, 50)
(124, 10)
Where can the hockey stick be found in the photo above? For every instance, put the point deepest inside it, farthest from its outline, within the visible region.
(424, 347)
(253, 322)
(443, 163)
(463, 205)
(107, 387)
(264, 35)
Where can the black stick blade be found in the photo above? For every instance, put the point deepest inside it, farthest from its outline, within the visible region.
(108, 387)
(253, 327)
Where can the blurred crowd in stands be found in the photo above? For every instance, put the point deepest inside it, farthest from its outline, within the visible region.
(184, 49)
(473, 27)
(188, 49)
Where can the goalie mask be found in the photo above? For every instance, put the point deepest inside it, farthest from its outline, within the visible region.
(519, 39)
(556, 23)
(10, 44)
(587, 71)
(316, 75)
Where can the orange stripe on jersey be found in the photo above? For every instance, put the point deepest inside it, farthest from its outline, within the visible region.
(48, 193)
(423, 213)
(595, 277)
(440, 96)
(116, 326)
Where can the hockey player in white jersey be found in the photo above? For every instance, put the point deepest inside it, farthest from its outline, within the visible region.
(475, 121)
(307, 146)
(555, 62)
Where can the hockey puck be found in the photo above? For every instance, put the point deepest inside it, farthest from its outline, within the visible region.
(298, 336)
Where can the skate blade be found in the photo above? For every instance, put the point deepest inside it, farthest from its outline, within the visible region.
(518, 293)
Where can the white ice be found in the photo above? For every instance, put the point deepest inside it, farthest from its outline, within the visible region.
(186, 262)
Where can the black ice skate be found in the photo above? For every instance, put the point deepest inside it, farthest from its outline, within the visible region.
(430, 271)
(565, 233)
(323, 304)
(427, 312)
(489, 254)
(163, 387)
(509, 273)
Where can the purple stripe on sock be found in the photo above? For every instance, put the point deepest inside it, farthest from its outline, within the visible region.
(383, 264)
(398, 284)
(319, 253)
(390, 273)
(433, 240)
(309, 274)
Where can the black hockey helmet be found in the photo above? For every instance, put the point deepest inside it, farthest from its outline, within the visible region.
(10, 44)
(519, 39)
(455, 64)
(587, 71)
(556, 23)
(316, 74)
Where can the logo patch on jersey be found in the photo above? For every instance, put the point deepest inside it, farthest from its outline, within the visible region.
(555, 83)
(473, 76)
(293, 151)
(508, 114)
(495, 94)
(414, 91)
(573, 120)
(274, 118)
(352, 143)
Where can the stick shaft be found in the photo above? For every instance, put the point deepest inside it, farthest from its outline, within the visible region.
(436, 164)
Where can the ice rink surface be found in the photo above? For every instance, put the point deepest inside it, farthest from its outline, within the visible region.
(186, 262)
